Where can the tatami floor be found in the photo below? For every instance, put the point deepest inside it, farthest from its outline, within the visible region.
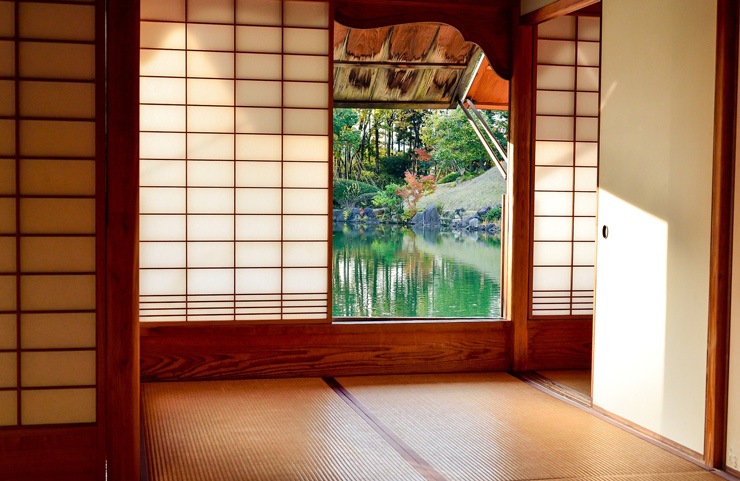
(456, 427)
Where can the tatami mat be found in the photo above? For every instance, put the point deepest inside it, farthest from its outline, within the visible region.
(265, 430)
(577, 380)
(455, 427)
(484, 427)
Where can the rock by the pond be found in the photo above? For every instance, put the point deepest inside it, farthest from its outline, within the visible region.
(354, 215)
(368, 213)
(430, 217)
(459, 212)
(473, 223)
(337, 215)
(483, 211)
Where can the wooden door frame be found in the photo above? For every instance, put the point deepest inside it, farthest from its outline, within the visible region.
(720, 268)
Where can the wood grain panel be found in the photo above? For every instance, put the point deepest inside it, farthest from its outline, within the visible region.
(559, 344)
(172, 353)
(59, 454)
(720, 262)
(519, 180)
(122, 263)
(489, 24)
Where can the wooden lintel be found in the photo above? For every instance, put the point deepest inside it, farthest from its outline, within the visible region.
(375, 104)
(554, 10)
(399, 65)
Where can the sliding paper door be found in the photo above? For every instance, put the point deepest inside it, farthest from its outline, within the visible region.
(235, 126)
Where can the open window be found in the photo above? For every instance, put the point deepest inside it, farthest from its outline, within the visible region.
(418, 175)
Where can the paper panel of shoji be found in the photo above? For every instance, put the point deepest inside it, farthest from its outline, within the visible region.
(565, 166)
(234, 160)
(47, 213)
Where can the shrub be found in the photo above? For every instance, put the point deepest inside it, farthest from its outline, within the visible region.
(416, 188)
(493, 215)
(347, 192)
(448, 178)
(388, 198)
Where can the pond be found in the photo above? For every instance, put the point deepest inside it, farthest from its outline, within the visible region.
(393, 271)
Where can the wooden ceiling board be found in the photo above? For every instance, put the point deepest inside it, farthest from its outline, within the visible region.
(488, 90)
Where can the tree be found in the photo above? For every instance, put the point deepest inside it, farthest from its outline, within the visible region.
(454, 145)
(416, 188)
(346, 141)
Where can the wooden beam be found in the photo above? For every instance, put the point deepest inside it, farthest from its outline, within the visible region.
(204, 352)
(122, 323)
(400, 65)
(518, 193)
(720, 267)
(401, 104)
(554, 10)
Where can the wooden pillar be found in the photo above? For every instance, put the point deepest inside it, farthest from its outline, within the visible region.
(720, 270)
(519, 187)
(122, 323)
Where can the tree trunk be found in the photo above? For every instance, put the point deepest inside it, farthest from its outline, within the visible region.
(377, 148)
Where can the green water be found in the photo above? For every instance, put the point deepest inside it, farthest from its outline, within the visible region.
(399, 272)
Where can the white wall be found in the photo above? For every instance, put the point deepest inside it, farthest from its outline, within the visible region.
(733, 407)
(650, 333)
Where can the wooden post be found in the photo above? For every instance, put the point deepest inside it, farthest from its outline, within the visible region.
(720, 268)
(519, 186)
(122, 323)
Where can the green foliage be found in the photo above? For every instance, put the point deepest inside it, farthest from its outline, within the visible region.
(392, 168)
(346, 192)
(493, 215)
(448, 178)
(408, 214)
(454, 144)
(377, 146)
(388, 198)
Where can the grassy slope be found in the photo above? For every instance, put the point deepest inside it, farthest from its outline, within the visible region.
(486, 189)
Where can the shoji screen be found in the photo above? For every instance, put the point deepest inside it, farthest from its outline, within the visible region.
(234, 160)
(565, 166)
(47, 213)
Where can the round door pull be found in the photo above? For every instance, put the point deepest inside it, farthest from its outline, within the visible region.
(605, 231)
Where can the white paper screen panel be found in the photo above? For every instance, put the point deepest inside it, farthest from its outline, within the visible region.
(234, 160)
(565, 166)
(48, 216)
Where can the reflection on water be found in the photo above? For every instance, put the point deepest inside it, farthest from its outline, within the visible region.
(381, 271)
